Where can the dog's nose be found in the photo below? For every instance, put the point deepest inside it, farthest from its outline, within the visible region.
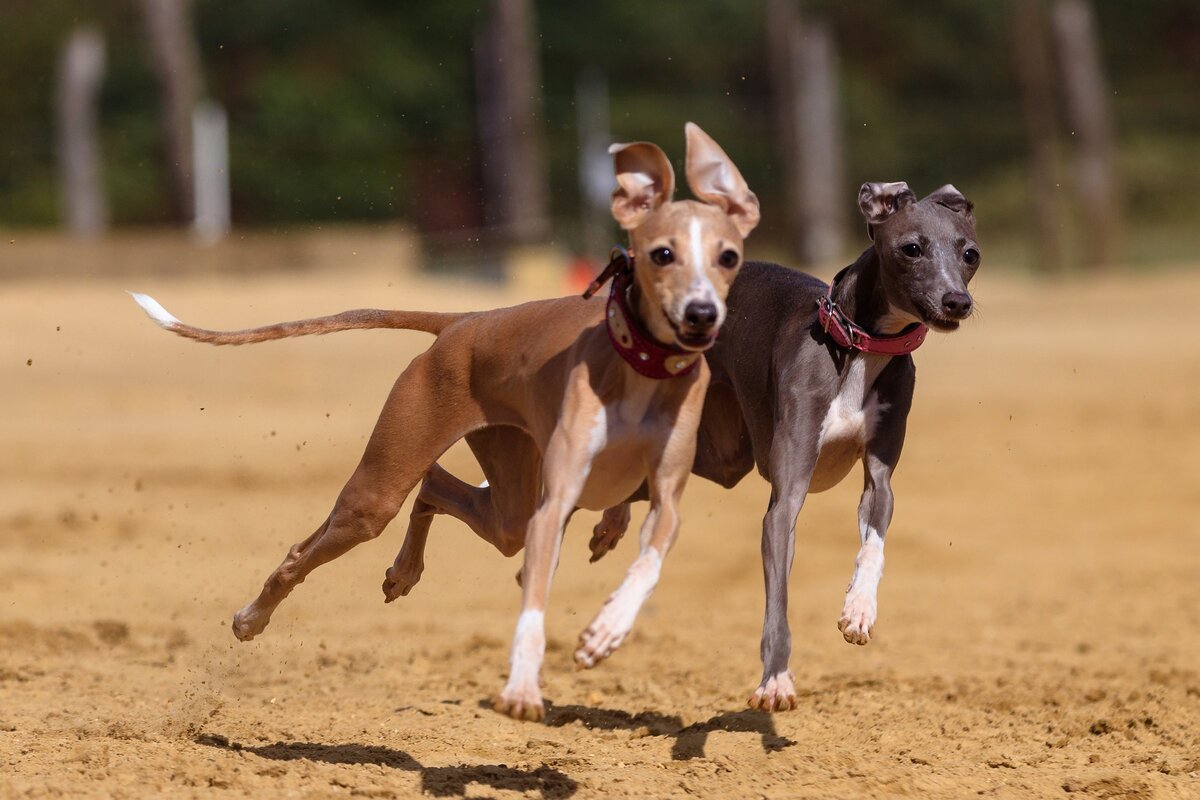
(700, 316)
(956, 304)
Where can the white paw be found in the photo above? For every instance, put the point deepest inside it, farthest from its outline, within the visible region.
(857, 622)
(606, 632)
(521, 699)
(775, 693)
(249, 622)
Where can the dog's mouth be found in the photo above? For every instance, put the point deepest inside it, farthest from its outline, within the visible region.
(690, 339)
(942, 324)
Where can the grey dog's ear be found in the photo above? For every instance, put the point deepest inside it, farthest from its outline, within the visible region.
(952, 199)
(645, 180)
(878, 201)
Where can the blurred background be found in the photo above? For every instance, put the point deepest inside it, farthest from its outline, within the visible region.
(476, 130)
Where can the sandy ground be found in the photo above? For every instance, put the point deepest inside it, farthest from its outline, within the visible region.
(1037, 632)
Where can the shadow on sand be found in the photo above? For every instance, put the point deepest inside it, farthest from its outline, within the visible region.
(437, 781)
(689, 740)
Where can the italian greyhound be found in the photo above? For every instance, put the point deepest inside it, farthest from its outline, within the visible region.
(608, 396)
(807, 380)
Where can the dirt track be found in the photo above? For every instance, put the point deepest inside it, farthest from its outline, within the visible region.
(1037, 632)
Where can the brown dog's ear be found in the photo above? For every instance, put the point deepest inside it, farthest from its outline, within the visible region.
(952, 199)
(878, 201)
(645, 180)
(714, 179)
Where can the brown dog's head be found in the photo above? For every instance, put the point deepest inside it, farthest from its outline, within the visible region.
(686, 254)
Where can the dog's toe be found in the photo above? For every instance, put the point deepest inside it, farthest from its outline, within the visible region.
(398, 583)
(520, 704)
(776, 693)
(857, 622)
(247, 624)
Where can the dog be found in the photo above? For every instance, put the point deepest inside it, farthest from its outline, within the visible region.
(807, 380)
(608, 395)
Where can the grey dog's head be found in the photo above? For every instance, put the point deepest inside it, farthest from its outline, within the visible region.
(927, 250)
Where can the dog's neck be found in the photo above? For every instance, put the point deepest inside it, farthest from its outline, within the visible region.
(860, 294)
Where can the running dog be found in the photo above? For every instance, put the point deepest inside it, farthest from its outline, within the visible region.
(606, 395)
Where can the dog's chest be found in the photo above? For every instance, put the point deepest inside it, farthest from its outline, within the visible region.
(848, 423)
(622, 434)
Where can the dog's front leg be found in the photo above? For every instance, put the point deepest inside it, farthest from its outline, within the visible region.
(857, 622)
(792, 464)
(659, 530)
(568, 460)
(880, 457)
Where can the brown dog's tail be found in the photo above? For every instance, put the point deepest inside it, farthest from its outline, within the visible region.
(427, 321)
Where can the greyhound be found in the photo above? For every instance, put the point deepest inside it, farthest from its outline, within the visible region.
(807, 380)
(608, 395)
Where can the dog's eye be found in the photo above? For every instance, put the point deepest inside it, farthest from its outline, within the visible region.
(912, 250)
(971, 257)
(728, 259)
(661, 256)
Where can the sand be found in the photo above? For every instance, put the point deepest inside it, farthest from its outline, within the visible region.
(1037, 633)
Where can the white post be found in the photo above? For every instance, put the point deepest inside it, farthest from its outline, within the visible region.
(80, 72)
(210, 168)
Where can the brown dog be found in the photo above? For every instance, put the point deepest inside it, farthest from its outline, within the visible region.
(568, 375)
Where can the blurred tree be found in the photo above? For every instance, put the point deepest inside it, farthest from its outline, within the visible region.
(1035, 72)
(804, 73)
(508, 103)
(177, 65)
(1092, 127)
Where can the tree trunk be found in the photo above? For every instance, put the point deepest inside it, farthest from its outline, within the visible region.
(514, 171)
(804, 63)
(1035, 74)
(177, 65)
(1091, 122)
(81, 71)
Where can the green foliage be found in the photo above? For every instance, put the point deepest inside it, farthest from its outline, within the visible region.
(364, 109)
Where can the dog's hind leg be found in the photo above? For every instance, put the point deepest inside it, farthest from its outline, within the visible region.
(498, 512)
(419, 421)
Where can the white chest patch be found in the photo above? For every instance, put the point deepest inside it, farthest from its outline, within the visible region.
(855, 410)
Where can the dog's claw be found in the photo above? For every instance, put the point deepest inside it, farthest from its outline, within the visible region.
(776, 693)
(857, 622)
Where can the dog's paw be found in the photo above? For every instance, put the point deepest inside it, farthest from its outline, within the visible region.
(608, 531)
(776, 693)
(521, 701)
(249, 622)
(857, 622)
(399, 581)
(606, 632)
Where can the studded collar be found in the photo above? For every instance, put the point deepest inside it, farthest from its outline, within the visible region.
(629, 337)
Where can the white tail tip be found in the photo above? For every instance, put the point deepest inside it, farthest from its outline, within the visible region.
(154, 309)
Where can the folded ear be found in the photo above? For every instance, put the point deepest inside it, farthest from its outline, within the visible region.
(952, 199)
(878, 201)
(645, 180)
(714, 179)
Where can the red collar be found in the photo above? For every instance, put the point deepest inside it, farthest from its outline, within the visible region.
(629, 337)
(851, 336)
